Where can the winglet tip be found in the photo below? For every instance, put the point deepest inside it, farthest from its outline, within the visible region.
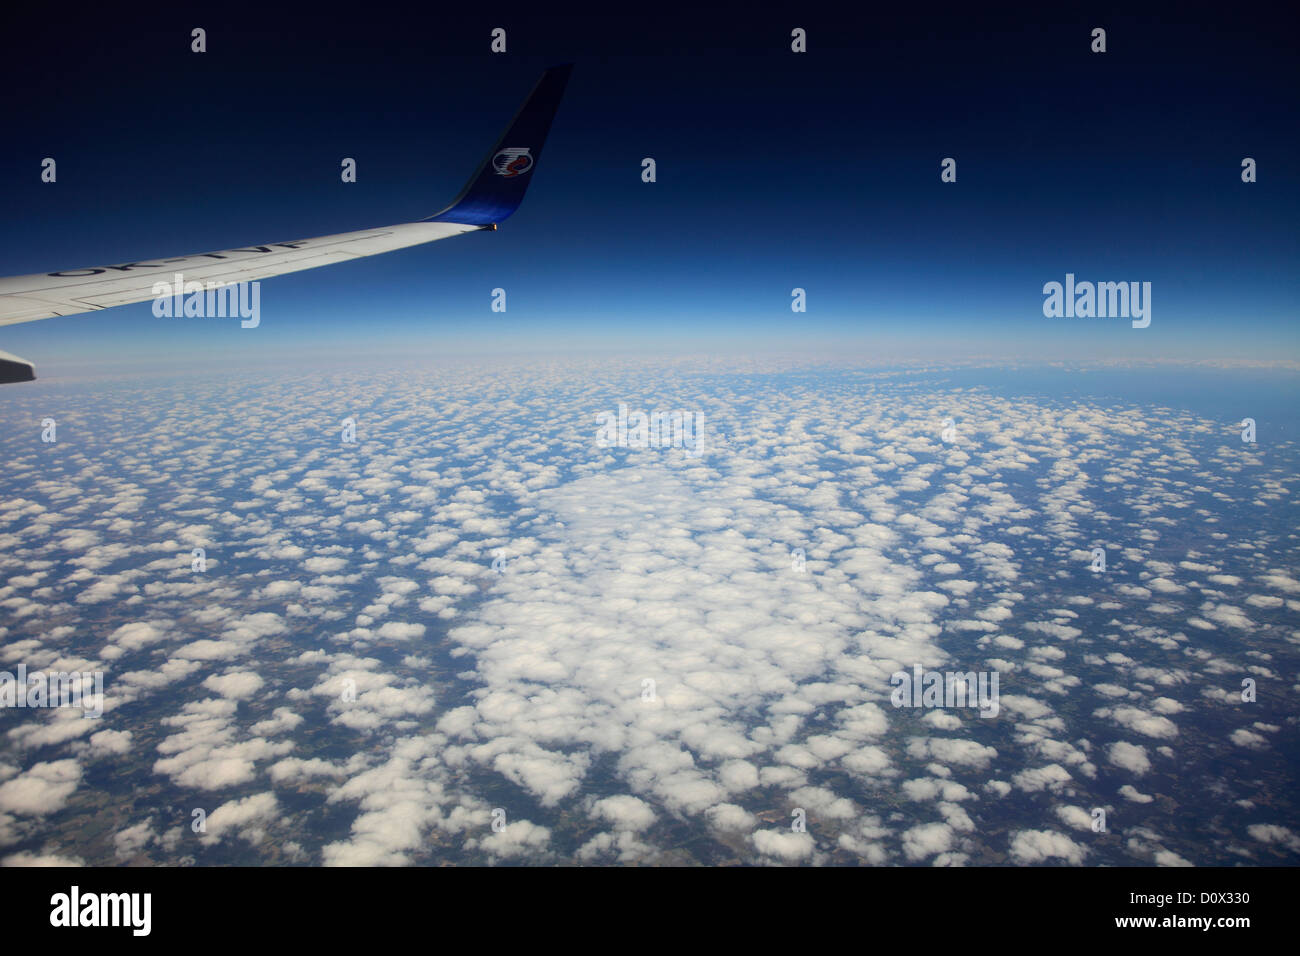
(497, 187)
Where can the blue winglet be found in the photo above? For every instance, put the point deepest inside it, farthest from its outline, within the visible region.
(497, 188)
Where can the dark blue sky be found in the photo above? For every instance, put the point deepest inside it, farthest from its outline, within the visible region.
(775, 170)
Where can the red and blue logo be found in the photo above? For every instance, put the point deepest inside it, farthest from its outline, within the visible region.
(512, 162)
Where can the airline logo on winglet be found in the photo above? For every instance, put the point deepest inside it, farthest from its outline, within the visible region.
(512, 162)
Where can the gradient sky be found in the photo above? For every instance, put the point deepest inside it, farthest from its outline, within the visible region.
(775, 170)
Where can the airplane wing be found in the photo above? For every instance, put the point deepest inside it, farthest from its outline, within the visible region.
(494, 192)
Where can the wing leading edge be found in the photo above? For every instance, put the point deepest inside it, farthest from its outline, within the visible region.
(493, 193)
